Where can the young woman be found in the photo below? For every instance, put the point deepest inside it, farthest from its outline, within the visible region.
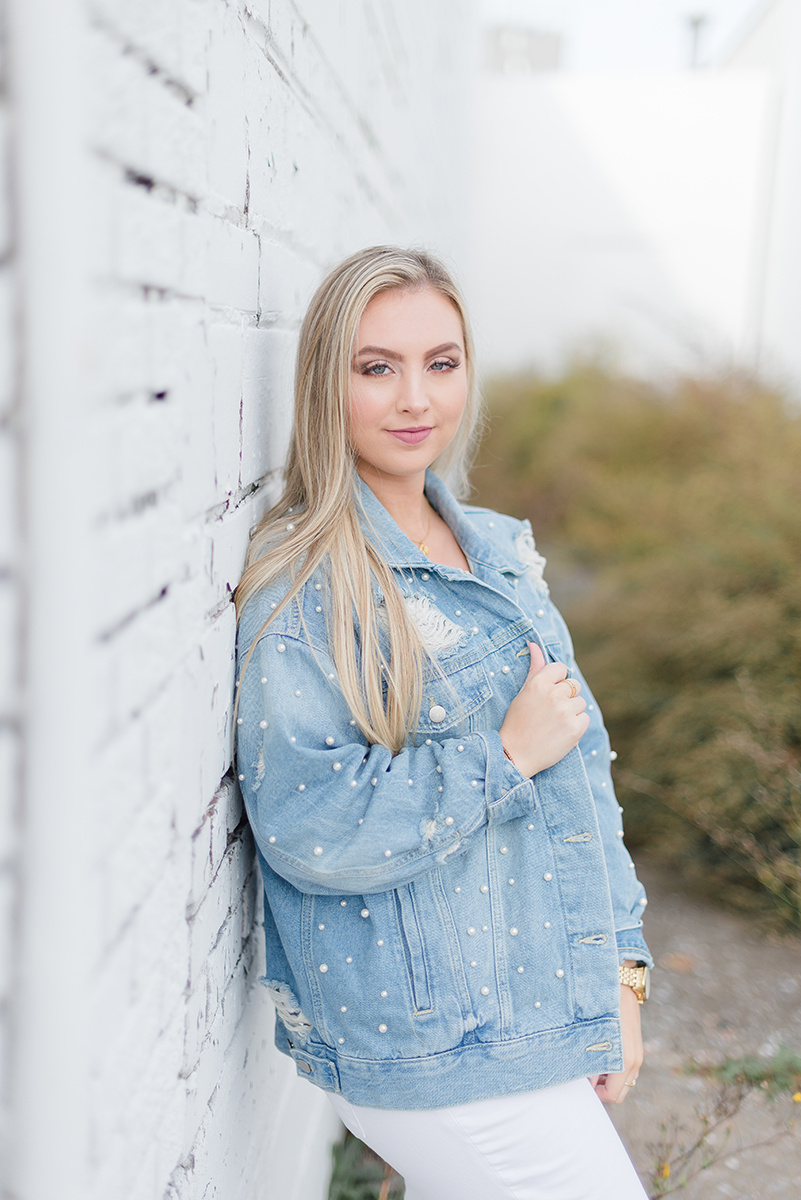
(453, 924)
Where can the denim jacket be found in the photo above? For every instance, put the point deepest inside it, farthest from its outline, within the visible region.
(439, 928)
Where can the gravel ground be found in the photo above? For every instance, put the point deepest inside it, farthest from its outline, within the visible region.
(725, 987)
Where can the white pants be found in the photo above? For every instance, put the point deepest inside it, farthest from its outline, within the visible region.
(553, 1144)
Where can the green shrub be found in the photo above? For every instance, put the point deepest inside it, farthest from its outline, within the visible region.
(673, 523)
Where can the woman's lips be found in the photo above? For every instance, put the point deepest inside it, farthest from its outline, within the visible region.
(411, 436)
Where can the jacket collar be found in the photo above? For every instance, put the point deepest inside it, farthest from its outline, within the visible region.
(400, 551)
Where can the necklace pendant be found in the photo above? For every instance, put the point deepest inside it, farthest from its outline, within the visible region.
(422, 546)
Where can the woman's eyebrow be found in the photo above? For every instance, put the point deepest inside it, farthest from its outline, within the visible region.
(385, 353)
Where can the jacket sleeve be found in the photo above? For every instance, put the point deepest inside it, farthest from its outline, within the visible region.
(627, 893)
(333, 814)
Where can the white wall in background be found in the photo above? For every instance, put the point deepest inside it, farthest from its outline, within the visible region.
(622, 212)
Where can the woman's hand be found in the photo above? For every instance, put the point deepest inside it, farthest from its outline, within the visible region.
(613, 1089)
(546, 719)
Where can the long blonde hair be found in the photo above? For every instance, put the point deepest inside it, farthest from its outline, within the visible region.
(320, 491)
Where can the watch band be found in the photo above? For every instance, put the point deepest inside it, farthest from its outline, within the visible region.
(638, 979)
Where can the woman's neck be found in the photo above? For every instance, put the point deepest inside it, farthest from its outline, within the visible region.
(403, 497)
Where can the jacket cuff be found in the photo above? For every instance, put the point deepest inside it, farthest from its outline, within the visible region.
(509, 794)
(632, 945)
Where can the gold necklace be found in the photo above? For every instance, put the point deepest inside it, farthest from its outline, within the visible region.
(421, 545)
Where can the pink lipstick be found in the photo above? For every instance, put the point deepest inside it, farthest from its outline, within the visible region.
(411, 436)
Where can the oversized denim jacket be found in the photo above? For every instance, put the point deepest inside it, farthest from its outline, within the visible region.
(439, 928)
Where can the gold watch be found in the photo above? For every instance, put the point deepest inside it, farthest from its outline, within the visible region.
(638, 979)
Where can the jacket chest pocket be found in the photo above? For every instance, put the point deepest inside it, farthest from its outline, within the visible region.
(450, 699)
(556, 653)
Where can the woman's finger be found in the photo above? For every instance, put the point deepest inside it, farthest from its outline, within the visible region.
(537, 658)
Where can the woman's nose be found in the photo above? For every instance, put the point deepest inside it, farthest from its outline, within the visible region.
(413, 398)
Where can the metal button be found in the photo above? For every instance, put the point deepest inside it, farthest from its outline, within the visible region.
(437, 714)
(307, 1068)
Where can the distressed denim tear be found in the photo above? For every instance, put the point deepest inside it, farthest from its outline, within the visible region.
(289, 1010)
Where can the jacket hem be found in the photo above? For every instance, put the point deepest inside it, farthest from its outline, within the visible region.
(472, 1071)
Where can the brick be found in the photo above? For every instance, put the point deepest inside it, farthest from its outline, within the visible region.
(197, 1020)
(156, 242)
(9, 512)
(10, 764)
(133, 868)
(172, 34)
(119, 790)
(233, 266)
(112, 989)
(8, 343)
(211, 923)
(5, 215)
(143, 123)
(226, 348)
(9, 661)
(195, 450)
(144, 653)
(224, 109)
(229, 538)
(161, 939)
(286, 283)
(140, 556)
(267, 401)
(209, 844)
(169, 758)
(121, 359)
(135, 442)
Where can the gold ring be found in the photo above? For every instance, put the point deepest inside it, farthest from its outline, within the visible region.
(573, 688)
(632, 1084)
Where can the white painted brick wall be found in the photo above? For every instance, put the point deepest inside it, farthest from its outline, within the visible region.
(10, 614)
(201, 164)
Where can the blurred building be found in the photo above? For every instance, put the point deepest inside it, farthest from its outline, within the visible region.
(648, 217)
(771, 49)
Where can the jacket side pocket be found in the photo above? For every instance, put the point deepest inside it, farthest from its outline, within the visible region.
(413, 948)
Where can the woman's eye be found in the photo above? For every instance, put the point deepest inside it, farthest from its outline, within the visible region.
(444, 364)
(377, 369)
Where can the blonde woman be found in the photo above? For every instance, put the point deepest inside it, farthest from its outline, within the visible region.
(453, 924)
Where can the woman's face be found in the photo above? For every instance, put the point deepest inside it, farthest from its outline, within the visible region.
(408, 382)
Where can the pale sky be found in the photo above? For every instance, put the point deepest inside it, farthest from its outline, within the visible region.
(623, 35)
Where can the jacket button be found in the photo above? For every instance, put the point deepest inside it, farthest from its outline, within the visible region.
(437, 714)
(485, 991)
(307, 1068)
